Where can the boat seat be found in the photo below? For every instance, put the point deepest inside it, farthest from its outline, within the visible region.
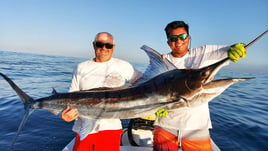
(141, 125)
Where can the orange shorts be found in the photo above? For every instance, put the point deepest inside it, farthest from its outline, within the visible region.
(166, 141)
(191, 145)
(101, 141)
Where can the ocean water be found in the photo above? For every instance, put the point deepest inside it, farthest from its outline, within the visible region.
(239, 115)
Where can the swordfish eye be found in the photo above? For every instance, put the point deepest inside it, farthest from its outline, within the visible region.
(205, 73)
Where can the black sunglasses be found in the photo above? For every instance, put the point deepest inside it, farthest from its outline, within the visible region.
(174, 38)
(100, 45)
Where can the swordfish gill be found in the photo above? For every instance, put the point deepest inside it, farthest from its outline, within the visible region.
(162, 85)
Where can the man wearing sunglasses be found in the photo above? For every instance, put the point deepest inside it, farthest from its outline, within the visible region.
(189, 129)
(99, 72)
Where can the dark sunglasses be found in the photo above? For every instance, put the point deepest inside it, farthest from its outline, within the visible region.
(174, 38)
(100, 45)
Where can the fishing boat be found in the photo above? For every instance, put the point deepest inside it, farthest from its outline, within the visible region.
(137, 136)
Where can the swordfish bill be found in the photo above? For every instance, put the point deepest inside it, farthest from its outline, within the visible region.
(162, 85)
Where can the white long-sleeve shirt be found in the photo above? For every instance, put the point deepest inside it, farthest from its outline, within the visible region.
(197, 117)
(91, 74)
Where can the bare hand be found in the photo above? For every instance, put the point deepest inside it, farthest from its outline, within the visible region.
(164, 56)
(69, 114)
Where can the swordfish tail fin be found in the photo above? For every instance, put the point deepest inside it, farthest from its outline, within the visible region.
(28, 110)
(23, 96)
(28, 106)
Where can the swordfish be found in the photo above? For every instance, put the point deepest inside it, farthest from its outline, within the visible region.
(162, 85)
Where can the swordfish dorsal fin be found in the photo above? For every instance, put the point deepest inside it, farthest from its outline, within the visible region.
(157, 65)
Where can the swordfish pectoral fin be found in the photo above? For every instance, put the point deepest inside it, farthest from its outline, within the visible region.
(27, 101)
(181, 102)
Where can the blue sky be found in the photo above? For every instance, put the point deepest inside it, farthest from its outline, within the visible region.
(67, 28)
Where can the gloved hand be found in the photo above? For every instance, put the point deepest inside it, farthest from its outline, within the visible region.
(236, 52)
(149, 117)
(161, 112)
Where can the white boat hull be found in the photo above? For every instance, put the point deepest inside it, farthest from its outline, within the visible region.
(143, 138)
